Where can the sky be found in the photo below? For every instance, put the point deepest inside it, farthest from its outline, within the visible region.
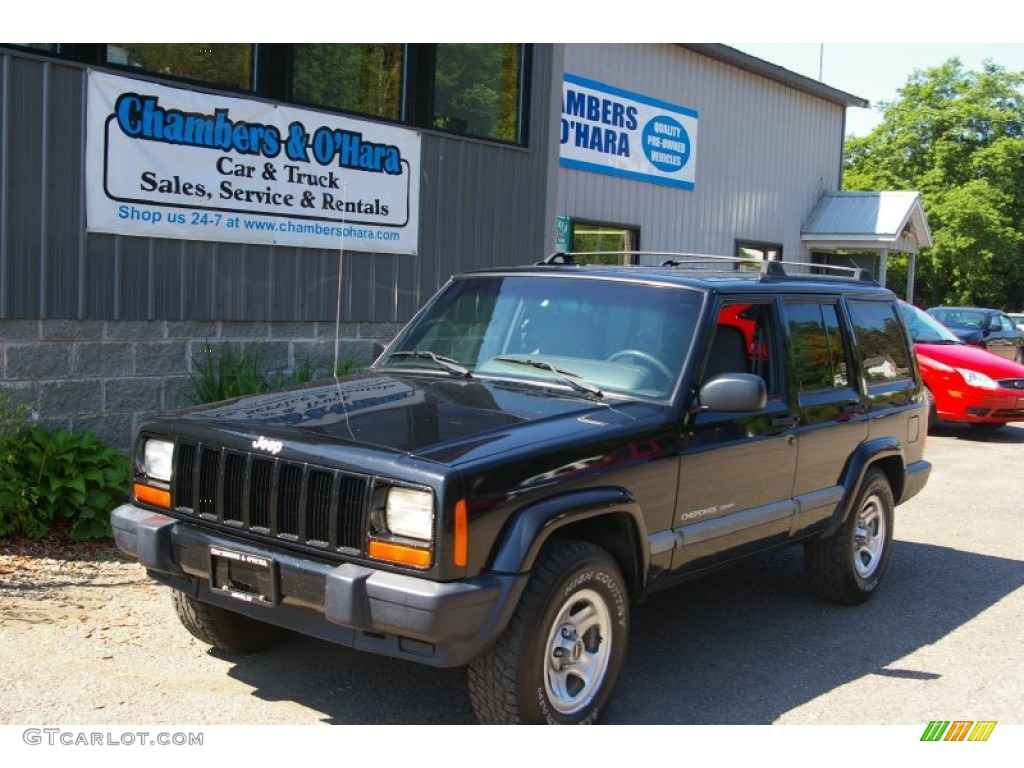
(876, 71)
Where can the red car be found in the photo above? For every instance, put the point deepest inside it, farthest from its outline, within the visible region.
(964, 383)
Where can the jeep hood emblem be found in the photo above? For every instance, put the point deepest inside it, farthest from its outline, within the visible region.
(270, 446)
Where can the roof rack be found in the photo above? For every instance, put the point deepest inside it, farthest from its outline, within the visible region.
(707, 261)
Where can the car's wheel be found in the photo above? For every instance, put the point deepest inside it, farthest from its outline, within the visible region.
(847, 566)
(932, 413)
(1019, 356)
(224, 629)
(560, 656)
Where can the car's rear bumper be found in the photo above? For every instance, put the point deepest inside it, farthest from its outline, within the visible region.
(439, 624)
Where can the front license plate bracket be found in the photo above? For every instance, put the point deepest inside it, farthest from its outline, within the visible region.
(244, 576)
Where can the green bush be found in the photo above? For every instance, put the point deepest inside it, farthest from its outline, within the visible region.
(59, 477)
(234, 373)
(229, 374)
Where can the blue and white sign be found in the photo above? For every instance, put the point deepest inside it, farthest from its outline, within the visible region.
(170, 162)
(616, 132)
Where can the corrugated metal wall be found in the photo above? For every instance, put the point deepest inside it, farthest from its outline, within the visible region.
(482, 205)
(765, 153)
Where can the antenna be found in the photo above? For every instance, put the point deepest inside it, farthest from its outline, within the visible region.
(341, 270)
(337, 313)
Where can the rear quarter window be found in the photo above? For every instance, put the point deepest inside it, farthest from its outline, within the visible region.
(883, 350)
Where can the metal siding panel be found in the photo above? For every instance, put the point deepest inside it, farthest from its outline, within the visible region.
(765, 153)
(384, 287)
(63, 204)
(168, 280)
(24, 192)
(100, 275)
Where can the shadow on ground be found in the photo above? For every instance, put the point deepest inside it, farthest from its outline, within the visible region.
(740, 647)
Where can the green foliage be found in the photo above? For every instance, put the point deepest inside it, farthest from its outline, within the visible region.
(957, 137)
(234, 372)
(76, 477)
(229, 374)
(357, 77)
(59, 476)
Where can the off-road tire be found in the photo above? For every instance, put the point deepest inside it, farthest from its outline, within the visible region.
(224, 629)
(848, 566)
(574, 585)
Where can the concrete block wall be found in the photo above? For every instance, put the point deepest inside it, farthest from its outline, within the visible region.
(105, 376)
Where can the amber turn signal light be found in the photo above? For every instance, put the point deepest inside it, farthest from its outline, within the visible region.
(150, 495)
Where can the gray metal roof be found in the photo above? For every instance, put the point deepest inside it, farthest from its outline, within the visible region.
(894, 220)
(782, 75)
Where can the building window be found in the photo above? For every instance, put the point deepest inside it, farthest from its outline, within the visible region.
(477, 90)
(759, 251)
(605, 238)
(472, 89)
(226, 65)
(365, 78)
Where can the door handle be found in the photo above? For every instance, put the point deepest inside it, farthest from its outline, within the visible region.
(785, 420)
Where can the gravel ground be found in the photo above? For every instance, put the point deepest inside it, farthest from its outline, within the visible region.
(88, 639)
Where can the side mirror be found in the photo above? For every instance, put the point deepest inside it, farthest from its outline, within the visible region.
(733, 393)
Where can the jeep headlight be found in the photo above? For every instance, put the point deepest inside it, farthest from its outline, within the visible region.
(156, 459)
(975, 379)
(410, 513)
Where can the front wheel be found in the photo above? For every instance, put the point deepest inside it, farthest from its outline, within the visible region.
(847, 566)
(560, 656)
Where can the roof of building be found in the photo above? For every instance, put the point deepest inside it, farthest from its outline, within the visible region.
(782, 75)
(892, 220)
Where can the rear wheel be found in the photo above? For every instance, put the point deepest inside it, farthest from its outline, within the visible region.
(224, 629)
(560, 656)
(847, 567)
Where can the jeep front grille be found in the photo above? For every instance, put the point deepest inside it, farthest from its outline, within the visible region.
(316, 506)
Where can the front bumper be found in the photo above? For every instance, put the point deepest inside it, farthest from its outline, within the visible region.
(439, 624)
(1000, 407)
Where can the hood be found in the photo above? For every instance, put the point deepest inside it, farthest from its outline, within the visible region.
(440, 419)
(974, 358)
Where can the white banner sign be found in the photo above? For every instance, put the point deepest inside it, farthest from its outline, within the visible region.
(169, 162)
(612, 131)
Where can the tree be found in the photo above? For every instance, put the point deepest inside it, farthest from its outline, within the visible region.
(957, 137)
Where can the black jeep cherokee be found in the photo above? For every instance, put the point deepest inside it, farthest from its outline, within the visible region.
(539, 448)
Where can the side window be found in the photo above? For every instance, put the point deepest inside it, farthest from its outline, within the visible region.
(1008, 327)
(819, 356)
(881, 340)
(744, 342)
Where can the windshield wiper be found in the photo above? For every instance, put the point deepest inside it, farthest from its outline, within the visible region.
(452, 366)
(566, 377)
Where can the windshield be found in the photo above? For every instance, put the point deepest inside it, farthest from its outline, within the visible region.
(592, 335)
(961, 318)
(924, 328)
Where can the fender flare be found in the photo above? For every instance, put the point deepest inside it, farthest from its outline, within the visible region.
(866, 456)
(532, 525)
